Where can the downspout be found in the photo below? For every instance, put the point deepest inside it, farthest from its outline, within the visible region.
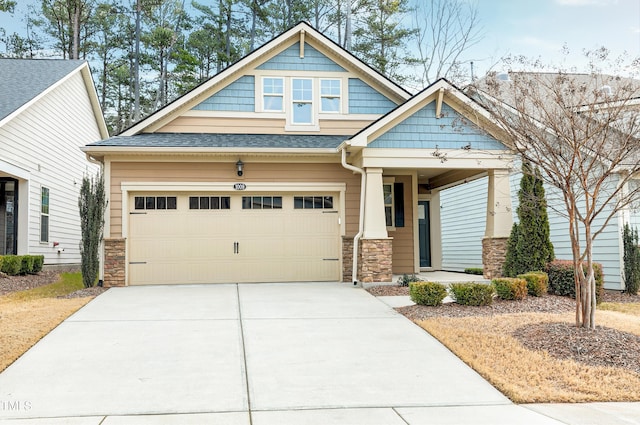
(356, 239)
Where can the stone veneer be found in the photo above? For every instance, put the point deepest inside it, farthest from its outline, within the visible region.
(494, 251)
(114, 262)
(347, 258)
(375, 260)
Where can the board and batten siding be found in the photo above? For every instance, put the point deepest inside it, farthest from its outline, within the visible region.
(225, 172)
(289, 60)
(463, 214)
(238, 96)
(45, 140)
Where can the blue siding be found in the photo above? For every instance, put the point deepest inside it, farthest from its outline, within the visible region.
(423, 130)
(463, 214)
(363, 99)
(238, 96)
(290, 60)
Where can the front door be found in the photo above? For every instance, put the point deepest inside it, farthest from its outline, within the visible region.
(8, 216)
(424, 232)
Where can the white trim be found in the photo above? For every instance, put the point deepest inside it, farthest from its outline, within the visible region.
(14, 170)
(277, 115)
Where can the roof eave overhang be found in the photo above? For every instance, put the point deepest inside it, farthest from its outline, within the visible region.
(102, 151)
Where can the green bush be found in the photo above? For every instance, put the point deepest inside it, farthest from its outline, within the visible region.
(561, 278)
(474, 270)
(11, 264)
(38, 263)
(537, 283)
(631, 260)
(26, 264)
(510, 288)
(427, 293)
(406, 279)
(471, 293)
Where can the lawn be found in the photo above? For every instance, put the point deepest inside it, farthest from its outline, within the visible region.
(27, 316)
(576, 366)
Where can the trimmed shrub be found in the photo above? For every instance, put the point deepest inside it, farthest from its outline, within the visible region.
(1, 257)
(26, 262)
(631, 260)
(11, 264)
(562, 282)
(427, 293)
(510, 288)
(537, 283)
(472, 293)
(405, 279)
(38, 263)
(474, 270)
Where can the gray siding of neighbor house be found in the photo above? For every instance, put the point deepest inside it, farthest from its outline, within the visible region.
(423, 130)
(463, 212)
(237, 96)
(289, 60)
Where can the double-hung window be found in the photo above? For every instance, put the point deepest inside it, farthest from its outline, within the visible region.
(273, 94)
(302, 101)
(330, 96)
(44, 214)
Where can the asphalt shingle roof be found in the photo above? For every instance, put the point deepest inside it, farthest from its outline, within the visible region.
(21, 80)
(216, 140)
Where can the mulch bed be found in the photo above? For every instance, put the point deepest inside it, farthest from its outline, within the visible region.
(9, 284)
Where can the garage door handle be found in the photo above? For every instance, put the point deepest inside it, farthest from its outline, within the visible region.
(330, 259)
(236, 247)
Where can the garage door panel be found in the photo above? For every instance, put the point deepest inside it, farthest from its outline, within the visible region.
(234, 245)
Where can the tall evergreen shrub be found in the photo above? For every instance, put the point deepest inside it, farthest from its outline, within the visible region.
(92, 204)
(631, 260)
(529, 247)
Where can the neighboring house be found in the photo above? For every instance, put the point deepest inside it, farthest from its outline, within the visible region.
(462, 232)
(48, 109)
(274, 169)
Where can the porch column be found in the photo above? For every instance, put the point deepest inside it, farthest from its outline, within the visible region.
(375, 226)
(499, 222)
(375, 262)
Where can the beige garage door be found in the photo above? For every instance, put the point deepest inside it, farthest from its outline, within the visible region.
(211, 238)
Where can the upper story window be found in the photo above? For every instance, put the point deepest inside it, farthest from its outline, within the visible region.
(273, 94)
(302, 101)
(330, 96)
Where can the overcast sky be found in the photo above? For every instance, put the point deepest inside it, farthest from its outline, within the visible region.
(534, 28)
(540, 28)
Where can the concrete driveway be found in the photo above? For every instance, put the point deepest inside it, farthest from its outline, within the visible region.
(312, 353)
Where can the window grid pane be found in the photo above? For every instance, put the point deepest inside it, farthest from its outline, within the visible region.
(312, 202)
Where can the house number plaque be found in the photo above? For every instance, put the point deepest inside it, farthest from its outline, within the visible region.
(239, 186)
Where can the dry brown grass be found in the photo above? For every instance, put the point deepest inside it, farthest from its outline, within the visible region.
(525, 376)
(23, 323)
(628, 308)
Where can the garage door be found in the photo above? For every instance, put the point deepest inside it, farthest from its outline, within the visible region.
(211, 238)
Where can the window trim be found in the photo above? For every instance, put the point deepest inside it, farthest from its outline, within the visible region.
(44, 238)
(389, 181)
(321, 96)
(281, 95)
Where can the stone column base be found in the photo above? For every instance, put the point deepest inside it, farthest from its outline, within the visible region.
(375, 260)
(114, 262)
(494, 251)
(347, 258)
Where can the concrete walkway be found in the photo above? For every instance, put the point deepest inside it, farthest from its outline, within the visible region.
(313, 353)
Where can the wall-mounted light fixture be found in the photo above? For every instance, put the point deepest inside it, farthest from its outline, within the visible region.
(240, 167)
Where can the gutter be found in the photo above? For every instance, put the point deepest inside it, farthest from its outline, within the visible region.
(356, 239)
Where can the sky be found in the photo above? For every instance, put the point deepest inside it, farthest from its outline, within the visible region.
(540, 29)
(534, 28)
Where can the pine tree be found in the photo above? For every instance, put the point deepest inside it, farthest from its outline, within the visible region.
(529, 248)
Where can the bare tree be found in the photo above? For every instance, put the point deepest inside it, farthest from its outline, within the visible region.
(581, 131)
(445, 30)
